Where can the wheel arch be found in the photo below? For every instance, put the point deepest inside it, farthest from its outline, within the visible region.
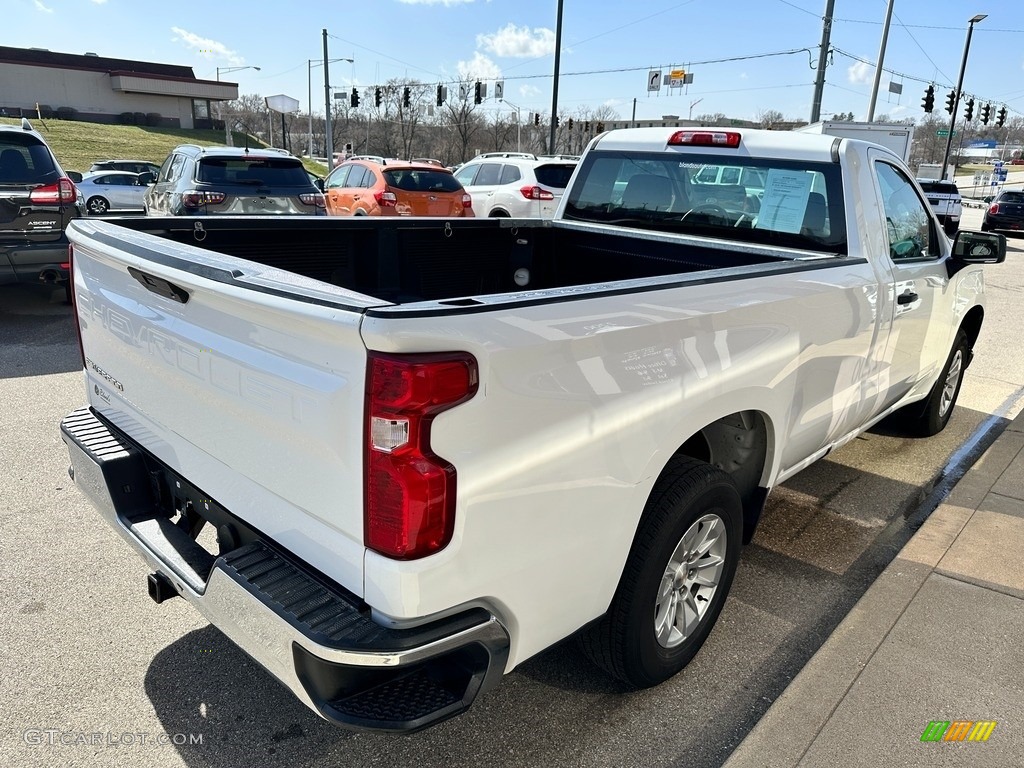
(742, 445)
(971, 324)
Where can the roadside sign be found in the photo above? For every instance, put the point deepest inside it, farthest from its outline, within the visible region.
(676, 77)
(943, 133)
(654, 80)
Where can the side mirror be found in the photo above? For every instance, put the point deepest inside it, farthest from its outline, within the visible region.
(319, 184)
(75, 176)
(976, 248)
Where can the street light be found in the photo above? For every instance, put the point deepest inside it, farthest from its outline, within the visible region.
(310, 63)
(225, 70)
(959, 85)
(519, 123)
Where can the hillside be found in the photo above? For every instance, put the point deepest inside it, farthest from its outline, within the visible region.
(78, 145)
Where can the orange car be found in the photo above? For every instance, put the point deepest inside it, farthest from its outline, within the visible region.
(394, 188)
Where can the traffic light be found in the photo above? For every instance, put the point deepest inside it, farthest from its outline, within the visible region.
(969, 111)
(440, 95)
(950, 101)
(536, 118)
(1000, 117)
(600, 127)
(557, 121)
(586, 127)
(353, 100)
(929, 99)
(986, 114)
(478, 92)
(406, 96)
(376, 96)
(570, 123)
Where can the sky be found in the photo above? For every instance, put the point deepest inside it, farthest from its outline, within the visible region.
(746, 56)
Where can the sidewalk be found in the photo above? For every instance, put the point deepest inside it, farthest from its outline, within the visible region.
(939, 636)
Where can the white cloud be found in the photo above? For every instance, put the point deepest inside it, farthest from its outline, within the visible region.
(529, 91)
(743, 75)
(99, 2)
(479, 68)
(40, 7)
(205, 47)
(518, 42)
(860, 72)
(446, 3)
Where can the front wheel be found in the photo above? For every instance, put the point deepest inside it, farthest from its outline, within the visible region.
(676, 577)
(933, 418)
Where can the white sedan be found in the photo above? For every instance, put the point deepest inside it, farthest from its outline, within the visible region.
(106, 191)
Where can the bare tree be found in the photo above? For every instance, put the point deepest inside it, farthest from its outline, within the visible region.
(770, 118)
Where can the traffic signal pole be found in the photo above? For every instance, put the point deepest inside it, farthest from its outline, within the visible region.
(959, 85)
(554, 85)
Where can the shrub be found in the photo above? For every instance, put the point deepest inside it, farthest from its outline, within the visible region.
(139, 118)
(153, 118)
(126, 118)
(45, 111)
(67, 113)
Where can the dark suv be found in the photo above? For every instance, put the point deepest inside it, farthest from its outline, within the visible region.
(216, 181)
(37, 200)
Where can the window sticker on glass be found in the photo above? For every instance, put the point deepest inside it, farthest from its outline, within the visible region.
(784, 204)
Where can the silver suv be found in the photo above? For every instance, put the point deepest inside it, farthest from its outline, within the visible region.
(219, 181)
(515, 184)
(944, 198)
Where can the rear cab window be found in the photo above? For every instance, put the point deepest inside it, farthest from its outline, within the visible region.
(796, 203)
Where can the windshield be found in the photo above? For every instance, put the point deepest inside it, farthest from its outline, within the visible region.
(772, 202)
(24, 160)
(261, 171)
(421, 180)
(1011, 197)
(938, 187)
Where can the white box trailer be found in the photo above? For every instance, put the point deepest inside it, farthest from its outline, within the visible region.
(896, 137)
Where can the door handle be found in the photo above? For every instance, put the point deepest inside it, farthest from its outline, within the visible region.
(907, 298)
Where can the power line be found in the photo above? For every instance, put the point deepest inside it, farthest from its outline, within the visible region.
(900, 22)
(803, 10)
(929, 26)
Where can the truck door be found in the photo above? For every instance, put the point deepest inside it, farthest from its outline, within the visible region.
(918, 285)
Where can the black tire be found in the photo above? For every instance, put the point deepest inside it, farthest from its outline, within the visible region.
(624, 642)
(938, 407)
(97, 206)
(498, 215)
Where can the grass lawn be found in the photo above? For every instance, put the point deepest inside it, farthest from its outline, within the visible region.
(78, 145)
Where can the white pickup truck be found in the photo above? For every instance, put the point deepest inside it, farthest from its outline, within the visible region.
(392, 459)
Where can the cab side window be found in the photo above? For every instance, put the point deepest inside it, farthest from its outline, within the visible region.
(907, 221)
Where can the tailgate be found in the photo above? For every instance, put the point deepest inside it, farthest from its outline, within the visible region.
(246, 380)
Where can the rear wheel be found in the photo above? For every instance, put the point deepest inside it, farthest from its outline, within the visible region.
(97, 205)
(676, 578)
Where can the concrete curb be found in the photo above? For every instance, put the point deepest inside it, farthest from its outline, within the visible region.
(795, 720)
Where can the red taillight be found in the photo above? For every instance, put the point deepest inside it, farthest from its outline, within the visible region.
(63, 191)
(313, 198)
(705, 139)
(410, 491)
(467, 201)
(195, 198)
(994, 208)
(536, 193)
(74, 301)
(385, 199)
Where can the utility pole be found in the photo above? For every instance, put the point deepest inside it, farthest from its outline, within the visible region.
(819, 80)
(327, 108)
(632, 121)
(554, 86)
(878, 66)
